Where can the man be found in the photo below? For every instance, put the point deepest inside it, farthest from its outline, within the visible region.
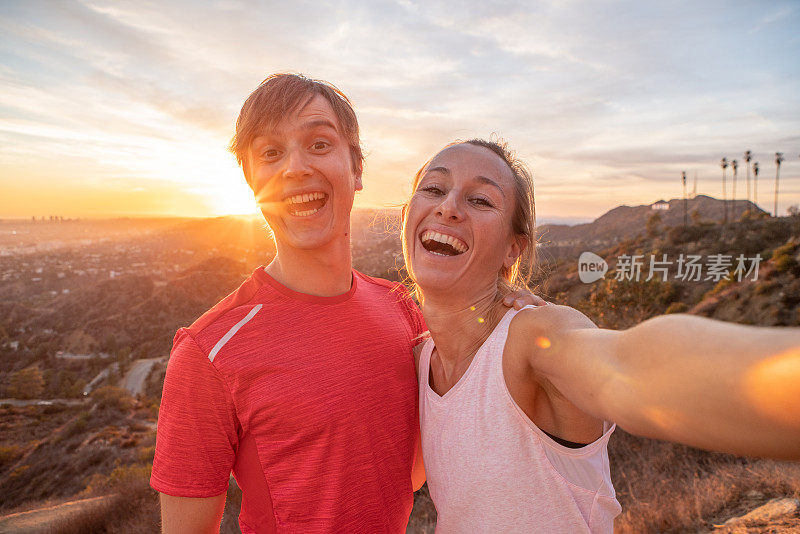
(302, 381)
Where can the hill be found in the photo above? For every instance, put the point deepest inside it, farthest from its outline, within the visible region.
(625, 222)
(126, 296)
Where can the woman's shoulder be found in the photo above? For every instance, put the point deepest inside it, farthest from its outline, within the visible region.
(549, 319)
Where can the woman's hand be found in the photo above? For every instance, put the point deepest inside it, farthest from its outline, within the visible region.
(521, 298)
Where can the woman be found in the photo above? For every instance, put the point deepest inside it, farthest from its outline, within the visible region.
(516, 406)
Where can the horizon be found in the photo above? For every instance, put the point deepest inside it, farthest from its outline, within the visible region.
(541, 221)
(107, 112)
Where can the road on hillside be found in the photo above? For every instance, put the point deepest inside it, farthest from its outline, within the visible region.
(42, 402)
(137, 374)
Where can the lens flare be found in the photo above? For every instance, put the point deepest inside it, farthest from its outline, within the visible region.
(773, 386)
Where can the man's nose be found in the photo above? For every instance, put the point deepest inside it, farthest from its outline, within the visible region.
(297, 164)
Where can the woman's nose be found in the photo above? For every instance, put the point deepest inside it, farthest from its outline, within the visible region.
(450, 208)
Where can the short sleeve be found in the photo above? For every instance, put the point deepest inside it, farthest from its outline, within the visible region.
(197, 433)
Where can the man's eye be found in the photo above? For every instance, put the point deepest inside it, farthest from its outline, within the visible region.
(432, 189)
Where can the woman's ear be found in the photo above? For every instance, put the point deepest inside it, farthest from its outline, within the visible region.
(515, 250)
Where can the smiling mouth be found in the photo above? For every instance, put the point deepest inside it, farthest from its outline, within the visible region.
(306, 204)
(442, 244)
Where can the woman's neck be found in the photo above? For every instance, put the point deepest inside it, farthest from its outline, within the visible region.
(460, 326)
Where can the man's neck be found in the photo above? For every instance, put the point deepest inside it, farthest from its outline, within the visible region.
(323, 272)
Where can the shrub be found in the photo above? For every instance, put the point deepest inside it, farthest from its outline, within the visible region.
(9, 454)
(113, 397)
(146, 454)
(122, 476)
(677, 307)
(679, 235)
(77, 426)
(723, 284)
(782, 257)
(132, 506)
(27, 383)
(18, 471)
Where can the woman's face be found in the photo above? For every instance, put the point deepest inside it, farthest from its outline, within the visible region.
(457, 228)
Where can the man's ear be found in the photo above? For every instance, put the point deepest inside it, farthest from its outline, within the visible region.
(359, 172)
(518, 246)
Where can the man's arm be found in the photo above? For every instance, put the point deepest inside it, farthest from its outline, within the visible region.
(705, 383)
(185, 515)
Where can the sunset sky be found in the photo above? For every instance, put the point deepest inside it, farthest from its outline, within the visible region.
(110, 108)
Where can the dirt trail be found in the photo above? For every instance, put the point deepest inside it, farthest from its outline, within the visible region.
(41, 520)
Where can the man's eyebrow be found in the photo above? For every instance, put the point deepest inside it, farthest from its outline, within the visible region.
(443, 170)
(320, 123)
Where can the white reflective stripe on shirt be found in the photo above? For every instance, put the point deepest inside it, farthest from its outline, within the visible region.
(230, 333)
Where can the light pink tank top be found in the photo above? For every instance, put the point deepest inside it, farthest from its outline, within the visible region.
(490, 469)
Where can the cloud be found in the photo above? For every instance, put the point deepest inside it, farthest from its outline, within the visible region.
(621, 95)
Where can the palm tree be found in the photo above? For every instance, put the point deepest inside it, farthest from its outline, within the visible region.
(747, 157)
(755, 189)
(724, 164)
(735, 166)
(755, 178)
(685, 218)
(778, 159)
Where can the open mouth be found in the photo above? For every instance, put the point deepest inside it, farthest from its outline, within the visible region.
(442, 244)
(306, 204)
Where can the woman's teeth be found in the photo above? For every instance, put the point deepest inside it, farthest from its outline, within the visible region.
(442, 244)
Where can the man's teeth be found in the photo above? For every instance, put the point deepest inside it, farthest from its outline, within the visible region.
(457, 244)
(304, 213)
(297, 199)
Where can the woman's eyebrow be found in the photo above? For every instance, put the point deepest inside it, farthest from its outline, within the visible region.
(480, 178)
(489, 181)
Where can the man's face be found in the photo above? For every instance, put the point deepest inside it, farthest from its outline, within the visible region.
(303, 178)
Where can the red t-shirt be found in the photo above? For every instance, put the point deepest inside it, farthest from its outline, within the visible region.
(310, 401)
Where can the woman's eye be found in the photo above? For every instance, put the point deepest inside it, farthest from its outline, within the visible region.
(479, 201)
(271, 153)
(320, 145)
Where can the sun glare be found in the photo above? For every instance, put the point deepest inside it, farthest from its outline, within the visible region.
(233, 200)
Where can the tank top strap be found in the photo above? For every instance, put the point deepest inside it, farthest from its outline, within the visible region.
(497, 342)
(500, 334)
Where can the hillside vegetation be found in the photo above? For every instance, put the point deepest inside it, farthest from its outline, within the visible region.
(103, 445)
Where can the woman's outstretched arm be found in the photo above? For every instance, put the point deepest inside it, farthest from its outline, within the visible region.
(705, 383)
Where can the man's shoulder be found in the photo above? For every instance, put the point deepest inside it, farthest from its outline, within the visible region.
(380, 285)
(243, 303)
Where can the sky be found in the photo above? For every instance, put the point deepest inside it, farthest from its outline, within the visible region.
(126, 109)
